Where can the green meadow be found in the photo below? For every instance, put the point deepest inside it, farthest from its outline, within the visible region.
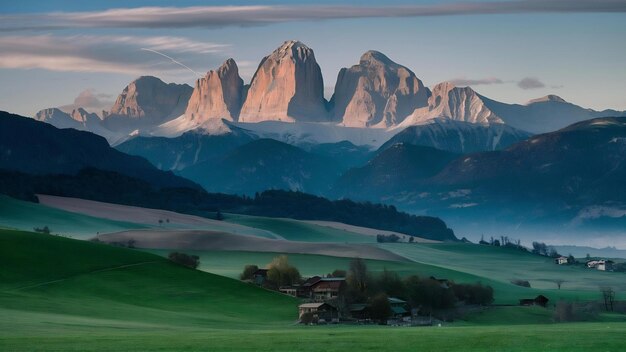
(62, 294)
(21, 215)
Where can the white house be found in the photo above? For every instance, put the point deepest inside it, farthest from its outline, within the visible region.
(561, 260)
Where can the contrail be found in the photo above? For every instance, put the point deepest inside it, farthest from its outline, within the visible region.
(173, 60)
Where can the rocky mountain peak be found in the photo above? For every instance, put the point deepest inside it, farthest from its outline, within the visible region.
(149, 98)
(287, 86)
(455, 103)
(217, 95)
(376, 93)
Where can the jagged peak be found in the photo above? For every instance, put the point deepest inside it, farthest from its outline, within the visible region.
(372, 56)
(547, 98)
(292, 49)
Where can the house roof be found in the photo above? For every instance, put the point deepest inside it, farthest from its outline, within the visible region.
(310, 281)
(358, 307)
(327, 285)
(399, 310)
(393, 300)
(311, 305)
(260, 272)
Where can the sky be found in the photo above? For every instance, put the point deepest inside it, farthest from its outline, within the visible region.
(83, 53)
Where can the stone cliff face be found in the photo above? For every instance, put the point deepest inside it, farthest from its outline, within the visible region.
(376, 93)
(454, 103)
(218, 95)
(150, 100)
(287, 86)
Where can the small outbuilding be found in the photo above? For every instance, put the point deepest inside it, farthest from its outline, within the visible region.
(540, 300)
(561, 260)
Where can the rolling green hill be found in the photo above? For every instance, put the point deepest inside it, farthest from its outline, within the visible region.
(21, 215)
(58, 279)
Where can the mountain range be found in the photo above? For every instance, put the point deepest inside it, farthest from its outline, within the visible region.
(287, 88)
(383, 137)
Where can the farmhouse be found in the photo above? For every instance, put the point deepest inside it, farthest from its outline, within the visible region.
(602, 264)
(605, 265)
(399, 308)
(322, 312)
(327, 288)
(540, 300)
(561, 260)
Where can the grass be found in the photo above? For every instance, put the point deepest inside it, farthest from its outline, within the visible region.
(294, 230)
(55, 276)
(562, 337)
(21, 215)
(59, 294)
(505, 264)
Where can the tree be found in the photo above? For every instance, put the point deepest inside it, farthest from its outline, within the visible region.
(564, 312)
(411, 239)
(380, 308)
(190, 261)
(160, 222)
(45, 230)
(219, 216)
(338, 273)
(281, 272)
(609, 298)
(571, 260)
(390, 283)
(358, 275)
(248, 270)
(558, 283)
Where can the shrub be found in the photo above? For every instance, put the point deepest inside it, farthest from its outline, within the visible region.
(380, 309)
(393, 238)
(191, 261)
(473, 294)
(45, 230)
(281, 273)
(248, 270)
(307, 318)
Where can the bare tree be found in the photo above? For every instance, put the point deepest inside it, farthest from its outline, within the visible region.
(609, 297)
(559, 282)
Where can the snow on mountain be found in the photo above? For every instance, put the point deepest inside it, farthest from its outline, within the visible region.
(455, 103)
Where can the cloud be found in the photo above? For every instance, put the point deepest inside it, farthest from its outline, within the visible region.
(476, 82)
(223, 16)
(90, 100)
(106, 53)
(530, 83)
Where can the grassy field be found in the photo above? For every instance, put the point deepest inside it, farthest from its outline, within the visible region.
(20, 215)
(504, 265)
(584, 337)
(231, 263)
(59, 294)
(54, 276)
(295, 230)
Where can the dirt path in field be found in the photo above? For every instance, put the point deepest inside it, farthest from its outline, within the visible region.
(214, 240)
(81, 274)
(147, 216)
(364, 230)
